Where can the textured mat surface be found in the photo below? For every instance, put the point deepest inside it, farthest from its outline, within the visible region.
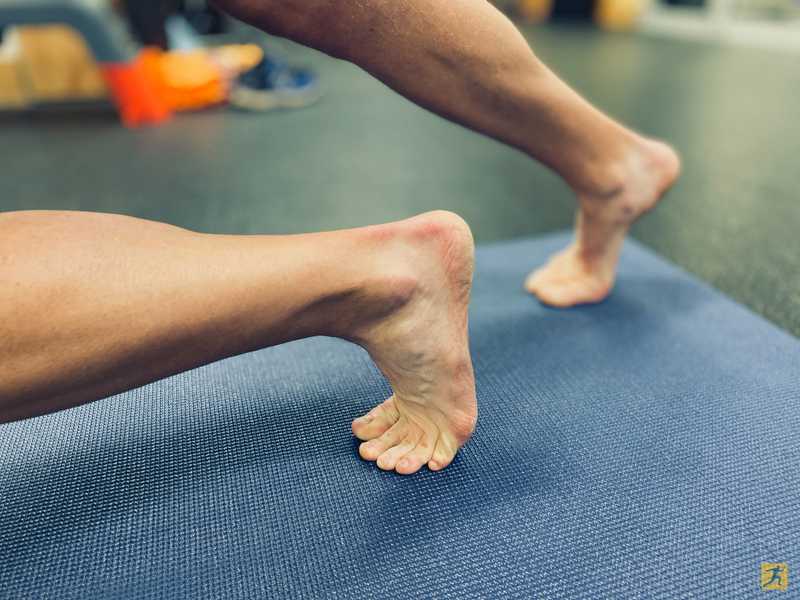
(645, 447)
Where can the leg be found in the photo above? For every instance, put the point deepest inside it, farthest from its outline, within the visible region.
(466, 62)
(93, 304)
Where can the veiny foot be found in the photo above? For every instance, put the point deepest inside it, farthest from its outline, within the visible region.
(584, 272)
(421, 346)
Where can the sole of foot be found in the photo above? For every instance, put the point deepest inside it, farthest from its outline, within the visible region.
(584, 272)
(422, 348)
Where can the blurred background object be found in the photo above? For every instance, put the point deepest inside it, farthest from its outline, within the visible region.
(55, 64)
(77, 51)
(770, 23)
(759, 23)
(91, 50)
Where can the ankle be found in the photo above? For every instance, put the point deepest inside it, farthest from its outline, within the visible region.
(385, 283)
(405, 260)
(607, 175)
(632, 179)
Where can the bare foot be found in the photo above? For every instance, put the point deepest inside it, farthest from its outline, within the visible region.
(421, 347)
(584, 272)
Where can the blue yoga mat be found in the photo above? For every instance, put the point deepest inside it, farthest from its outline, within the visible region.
(646, 447)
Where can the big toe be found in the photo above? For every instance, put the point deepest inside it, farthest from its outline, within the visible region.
(535, 280)
(547, 275)
(571, 292)
(377, 421)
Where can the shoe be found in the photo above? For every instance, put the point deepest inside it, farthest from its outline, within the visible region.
(274, 84)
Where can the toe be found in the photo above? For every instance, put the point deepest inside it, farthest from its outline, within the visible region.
(377, 421)
(389, 459)
(372, 449)
(533, 281)
(571, 293)
(532, 287)
(443, 454)
(542, 278)
(559, 294)
(422, 453)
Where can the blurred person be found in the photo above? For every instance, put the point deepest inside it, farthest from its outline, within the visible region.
(465, 61)
(95, 304)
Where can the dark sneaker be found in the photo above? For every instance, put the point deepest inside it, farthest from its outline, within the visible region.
(274, 84)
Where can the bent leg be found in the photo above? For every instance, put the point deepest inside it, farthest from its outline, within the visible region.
(95, 304)
(465, 61)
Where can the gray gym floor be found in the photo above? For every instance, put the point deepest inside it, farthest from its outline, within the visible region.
(364, 155)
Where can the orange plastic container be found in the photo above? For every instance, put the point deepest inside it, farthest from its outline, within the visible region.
(135, 93)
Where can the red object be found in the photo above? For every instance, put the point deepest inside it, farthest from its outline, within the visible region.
(135, 93)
